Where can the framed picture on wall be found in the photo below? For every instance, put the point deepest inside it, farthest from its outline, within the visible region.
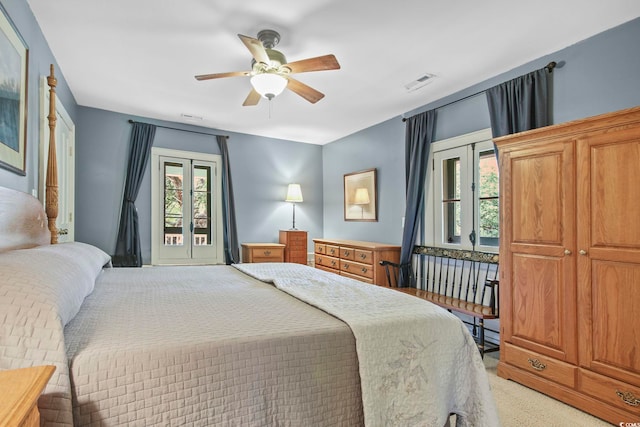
(361, 196)
(13, 96)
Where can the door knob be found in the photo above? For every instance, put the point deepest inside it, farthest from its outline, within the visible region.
(582, 252)
(567, 252)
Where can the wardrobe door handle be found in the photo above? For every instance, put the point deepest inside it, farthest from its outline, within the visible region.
(582, 252)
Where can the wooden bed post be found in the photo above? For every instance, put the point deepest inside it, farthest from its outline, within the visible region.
(52, 166)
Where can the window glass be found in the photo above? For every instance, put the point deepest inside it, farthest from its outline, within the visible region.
(173, 206)
(488, 198)
(202, 205)
(451, 200)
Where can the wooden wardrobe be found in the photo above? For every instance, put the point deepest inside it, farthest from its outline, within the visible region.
(570, 263)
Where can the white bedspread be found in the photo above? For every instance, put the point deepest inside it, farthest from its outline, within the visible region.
(418, 363)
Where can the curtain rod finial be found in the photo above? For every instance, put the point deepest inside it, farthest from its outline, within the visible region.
(551, 65)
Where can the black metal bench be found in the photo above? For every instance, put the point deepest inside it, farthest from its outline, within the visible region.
(458, 280)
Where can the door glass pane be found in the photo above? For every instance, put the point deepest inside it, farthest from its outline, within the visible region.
(451, 209)
(489, 199)
(173, 204)
(202, 205)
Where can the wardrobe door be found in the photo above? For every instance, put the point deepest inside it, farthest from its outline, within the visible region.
(537, 290)
(609, 254)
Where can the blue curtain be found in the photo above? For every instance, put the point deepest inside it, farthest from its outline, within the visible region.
(418, 136)
(128, 252)
(520, 104)
(230, 232)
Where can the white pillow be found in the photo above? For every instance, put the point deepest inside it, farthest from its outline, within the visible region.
(59, 276)
(23, 221)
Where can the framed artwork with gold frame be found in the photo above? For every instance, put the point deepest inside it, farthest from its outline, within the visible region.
(361, 196)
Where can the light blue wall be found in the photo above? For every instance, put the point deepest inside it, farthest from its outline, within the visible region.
(380, 147)
(598, 75)
(40, 58)
(261, 169)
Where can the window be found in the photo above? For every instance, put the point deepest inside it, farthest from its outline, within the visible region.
(462, 193)
(186, 213)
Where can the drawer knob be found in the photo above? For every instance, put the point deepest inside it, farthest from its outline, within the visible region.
(267, 253)
(364, 269)
(536, 364)
(333, 263)
(346, 266)
(363, 256)
(346, 253)
(628, 398)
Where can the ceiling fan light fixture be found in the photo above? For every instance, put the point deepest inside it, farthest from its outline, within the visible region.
(269, 85)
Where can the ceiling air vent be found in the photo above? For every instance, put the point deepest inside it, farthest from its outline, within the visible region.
(191, 117)
(421, 81)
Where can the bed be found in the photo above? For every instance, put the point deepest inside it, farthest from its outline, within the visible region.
(250, 344)
(274, 344)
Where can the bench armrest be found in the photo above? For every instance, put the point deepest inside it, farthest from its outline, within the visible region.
(493, 300)
(393, 271)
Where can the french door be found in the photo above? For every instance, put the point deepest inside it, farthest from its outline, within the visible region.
(186, 214)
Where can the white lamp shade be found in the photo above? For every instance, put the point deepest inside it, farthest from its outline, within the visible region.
(294, 193)
(269, 85)
(361, 197)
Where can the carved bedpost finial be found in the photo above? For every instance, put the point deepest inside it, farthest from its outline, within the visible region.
(51, 207)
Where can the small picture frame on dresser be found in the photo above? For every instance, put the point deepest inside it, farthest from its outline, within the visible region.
(361, 196)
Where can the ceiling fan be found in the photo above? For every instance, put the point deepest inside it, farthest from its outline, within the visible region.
(271, 74)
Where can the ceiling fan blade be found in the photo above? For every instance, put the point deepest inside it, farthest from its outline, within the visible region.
(320, 63)
(307, 92)
(221, 75)
(256, 48)
(252, 99)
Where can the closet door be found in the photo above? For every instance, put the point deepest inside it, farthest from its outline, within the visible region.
(609, 255)
(537, 290)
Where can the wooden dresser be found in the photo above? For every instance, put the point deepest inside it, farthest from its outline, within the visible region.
(355, 259)
(20, 389)
(570, 263)
(295, 242)
(262, 252)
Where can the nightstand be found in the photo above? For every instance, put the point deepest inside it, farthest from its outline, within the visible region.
(296, 245)
(20, 389)
(262, 252)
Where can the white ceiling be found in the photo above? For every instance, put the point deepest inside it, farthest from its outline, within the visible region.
(139, 57)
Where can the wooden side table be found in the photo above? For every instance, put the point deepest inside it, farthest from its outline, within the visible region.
(262, 252)
(20, 389)
(296, 245)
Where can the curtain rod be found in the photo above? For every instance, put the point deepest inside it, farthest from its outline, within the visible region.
(550, 66)
(181, 130)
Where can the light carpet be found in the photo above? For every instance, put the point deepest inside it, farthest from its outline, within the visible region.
(520, 406)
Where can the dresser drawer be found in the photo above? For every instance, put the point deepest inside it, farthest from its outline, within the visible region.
(612, 391)
(554, 370)
(352, 267)
(347, 253)
(356, 277)
(297, 244)
(332, 250)
(327, 261)
(267, 254)
(365, 257)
